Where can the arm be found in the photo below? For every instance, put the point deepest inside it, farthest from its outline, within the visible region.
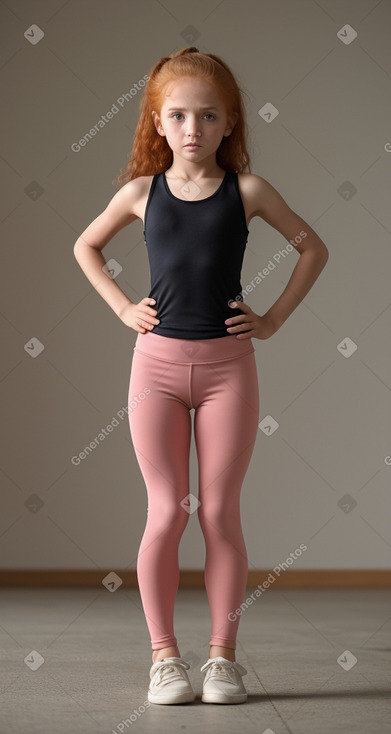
(88, 246)
(264, 201)
(124, 208)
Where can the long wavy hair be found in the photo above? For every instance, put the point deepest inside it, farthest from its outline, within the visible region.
(150, 152)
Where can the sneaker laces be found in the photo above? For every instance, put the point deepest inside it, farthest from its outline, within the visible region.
(170, 671)
(221, 670)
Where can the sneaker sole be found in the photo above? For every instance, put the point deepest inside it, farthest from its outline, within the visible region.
(186, 697)
(223, 698)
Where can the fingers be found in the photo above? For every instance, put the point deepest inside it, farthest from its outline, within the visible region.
(147, 308)
(245, 326)
(144, 322)
(237, 321)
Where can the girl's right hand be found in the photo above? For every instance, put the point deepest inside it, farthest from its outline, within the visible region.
(140, 316)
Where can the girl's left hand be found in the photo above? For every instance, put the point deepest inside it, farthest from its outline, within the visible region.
(248, 324)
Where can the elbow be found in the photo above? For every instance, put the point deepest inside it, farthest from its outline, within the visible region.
(321, 252)
(76, 248)
(323, 256)
(319, 255)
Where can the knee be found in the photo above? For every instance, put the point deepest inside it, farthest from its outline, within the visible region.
(218, 516)
(168, 516)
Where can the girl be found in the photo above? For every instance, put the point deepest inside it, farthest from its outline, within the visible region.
(188, 181)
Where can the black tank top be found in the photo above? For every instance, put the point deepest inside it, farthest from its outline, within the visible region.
(195, 251)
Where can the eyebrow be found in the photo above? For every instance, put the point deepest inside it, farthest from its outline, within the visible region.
(183, 109)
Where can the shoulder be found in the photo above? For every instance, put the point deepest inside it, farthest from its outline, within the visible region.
(260, 197)
(129, 201)
(132, 196)
(252, 185)
(137, 187)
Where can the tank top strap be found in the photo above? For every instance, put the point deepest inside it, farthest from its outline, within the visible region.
(151, 190)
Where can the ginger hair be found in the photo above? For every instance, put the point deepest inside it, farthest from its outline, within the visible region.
(150, 152)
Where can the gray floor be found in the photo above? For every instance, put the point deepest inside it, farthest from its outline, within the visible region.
(96, 652)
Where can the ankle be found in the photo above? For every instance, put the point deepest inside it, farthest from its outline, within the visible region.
(166, 652)
(225, 652)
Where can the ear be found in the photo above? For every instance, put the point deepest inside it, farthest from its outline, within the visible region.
(232, 120)
(157, 123)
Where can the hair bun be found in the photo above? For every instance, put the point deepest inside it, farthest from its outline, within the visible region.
(188, 50)
(164, 59)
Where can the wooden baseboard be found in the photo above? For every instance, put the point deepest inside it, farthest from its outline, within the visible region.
(194, 579)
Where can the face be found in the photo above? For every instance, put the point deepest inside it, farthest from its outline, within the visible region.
(193, 112)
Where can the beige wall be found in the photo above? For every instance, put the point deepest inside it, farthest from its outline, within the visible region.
(333, 412)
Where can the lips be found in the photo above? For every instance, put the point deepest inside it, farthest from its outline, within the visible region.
(192, 145)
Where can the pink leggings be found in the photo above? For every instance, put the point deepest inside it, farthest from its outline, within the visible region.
(218, 379)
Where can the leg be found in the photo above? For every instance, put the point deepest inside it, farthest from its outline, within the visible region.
(165, 652)
(160, 427)
(225, 652)
(225, 427)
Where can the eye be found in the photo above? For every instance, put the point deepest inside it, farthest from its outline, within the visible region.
(176, 114)
(209, 115)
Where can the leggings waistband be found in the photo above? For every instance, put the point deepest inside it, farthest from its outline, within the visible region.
(186, 351)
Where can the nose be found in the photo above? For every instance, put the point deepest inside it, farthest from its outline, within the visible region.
(192, 126)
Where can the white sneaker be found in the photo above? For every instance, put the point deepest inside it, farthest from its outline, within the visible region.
(223, 682)
(170, 682)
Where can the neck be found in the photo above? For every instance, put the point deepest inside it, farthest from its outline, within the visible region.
(194, 171)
